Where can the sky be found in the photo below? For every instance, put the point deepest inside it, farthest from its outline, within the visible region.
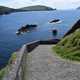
(59, 4)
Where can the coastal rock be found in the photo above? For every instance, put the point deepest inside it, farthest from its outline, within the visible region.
(54, 32)
(25, 28)
(55, 21)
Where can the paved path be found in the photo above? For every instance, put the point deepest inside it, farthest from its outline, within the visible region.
(42, 64)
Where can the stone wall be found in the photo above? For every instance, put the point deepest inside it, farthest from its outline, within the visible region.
(16, 69)
(32, 45)
(51, 41)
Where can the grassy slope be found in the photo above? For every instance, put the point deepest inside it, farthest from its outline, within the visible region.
(4, 71)
(69, 47)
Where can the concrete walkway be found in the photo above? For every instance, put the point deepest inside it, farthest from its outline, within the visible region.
(42, 64)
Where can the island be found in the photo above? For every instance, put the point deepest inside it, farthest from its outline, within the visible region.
(7, 10)
(36, 8)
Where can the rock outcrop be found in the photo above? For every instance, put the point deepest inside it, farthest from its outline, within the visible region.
(25, 28)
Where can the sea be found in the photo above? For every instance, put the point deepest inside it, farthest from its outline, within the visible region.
(9, 24)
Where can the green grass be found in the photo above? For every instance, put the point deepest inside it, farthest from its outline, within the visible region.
(69, 47)
(4, 71)
(13, 58)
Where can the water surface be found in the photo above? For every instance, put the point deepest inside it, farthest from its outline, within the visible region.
(10, 42)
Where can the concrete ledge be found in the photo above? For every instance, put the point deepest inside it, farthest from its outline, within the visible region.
(51, 41)
(16, 70)
(32, 45)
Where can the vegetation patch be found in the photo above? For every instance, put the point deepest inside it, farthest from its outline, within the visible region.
(69, 47)
(12, 59)
(5, 70)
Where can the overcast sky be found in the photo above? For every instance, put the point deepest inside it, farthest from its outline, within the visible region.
(60, 4)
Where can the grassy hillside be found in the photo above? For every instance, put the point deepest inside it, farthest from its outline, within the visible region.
(36, 8)
(5, 10)
(69, 47)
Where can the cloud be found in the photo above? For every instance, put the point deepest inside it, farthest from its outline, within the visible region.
(34, 0)
(60, 4)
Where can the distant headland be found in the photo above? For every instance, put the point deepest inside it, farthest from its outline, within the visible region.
(78, 7)
(7, 10)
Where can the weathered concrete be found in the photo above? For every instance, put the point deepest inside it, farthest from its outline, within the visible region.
(16, 69)
(42, 64)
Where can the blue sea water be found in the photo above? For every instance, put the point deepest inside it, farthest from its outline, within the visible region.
(9, 24)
